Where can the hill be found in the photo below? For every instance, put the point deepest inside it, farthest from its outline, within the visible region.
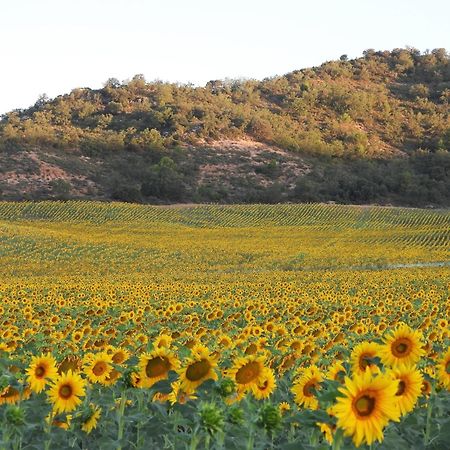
(375, 129)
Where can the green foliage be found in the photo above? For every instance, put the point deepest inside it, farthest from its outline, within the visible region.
(374, 107)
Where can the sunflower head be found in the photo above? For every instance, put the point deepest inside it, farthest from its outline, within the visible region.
(403, 346)
(409, 387)
(306, 386)
(66, 392)
(42, 369)
(443, 370)
(367, 405)
(156, 365)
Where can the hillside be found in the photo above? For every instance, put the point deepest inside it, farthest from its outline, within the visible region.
(375, 129)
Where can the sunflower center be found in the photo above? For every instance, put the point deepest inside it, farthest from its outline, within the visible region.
(340, 376)
(263, 386)
(364, 405)
(364, 361)
(401, 347)
(118, 358)
(99, 368)
(39, 372)
(157, 366)
(248, 373)
(401, 388)
(308, 389)
(65, 391)
(198, 370)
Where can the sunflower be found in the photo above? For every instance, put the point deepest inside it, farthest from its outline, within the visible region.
(90, 422)
(328, 431)
(97, 367)
(156, 365)
(42, 369)
(284, 407)
(113, 376)
(163, 340)
(266, 386)
(362, 357)
(178, 395)
(402, 347)
(409, 387)
(443, 370)
(336, 372)
(367, 405)
(247, 371)
(198, 368)
(70, 362)
(305, 388)
(120, 355)
(9, 395)
(66, 392)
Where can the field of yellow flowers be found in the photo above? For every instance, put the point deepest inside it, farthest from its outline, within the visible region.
(226, 327)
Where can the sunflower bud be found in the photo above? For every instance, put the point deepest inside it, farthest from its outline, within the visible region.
(236, 415)
(211, 418)
(269, 417)
(226, 387)
(15, 415)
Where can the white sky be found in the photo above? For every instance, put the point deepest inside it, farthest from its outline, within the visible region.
(53, 46)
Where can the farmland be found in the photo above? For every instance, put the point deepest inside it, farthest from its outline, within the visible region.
(223, 326)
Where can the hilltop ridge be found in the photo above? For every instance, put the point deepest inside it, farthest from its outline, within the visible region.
(374, 129)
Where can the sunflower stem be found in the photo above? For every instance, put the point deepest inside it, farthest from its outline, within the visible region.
(426, 439)
(120, 421)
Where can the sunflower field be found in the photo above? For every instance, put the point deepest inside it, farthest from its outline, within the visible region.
(224, 327)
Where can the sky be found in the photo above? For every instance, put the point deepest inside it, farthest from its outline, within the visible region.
(54, 46)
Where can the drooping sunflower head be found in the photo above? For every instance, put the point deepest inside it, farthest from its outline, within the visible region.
(363, 357)
(409, 387)
(306, 387)
(42, 369)
(66, 392)
(403, 346)
(156, 365)
(367, 405)
(90, 421)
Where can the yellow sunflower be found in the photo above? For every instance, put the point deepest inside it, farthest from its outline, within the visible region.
(178, 395)
(156, 365)
(97, 367)
(120, 355)
(163, 340)
(247, 371)
(402, 347)
(305, 388)
(409, 387)
(90, 422)
(265, 386)
(362, 357)
(366, 407)
(336, 372)
(10, 395)
(41, 370)
(284, 407)
(199, 368)
(443, 370)
(66, 392)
